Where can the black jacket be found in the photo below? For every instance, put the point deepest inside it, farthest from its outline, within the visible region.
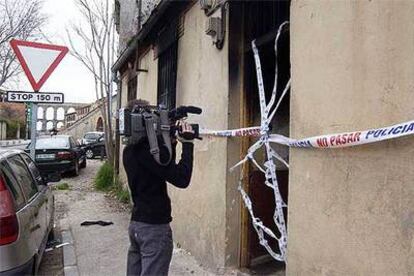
(147, 181)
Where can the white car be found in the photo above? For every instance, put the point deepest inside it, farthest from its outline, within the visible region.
(26, 213)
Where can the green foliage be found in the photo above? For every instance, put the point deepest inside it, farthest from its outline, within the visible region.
(122, 195)
(107, 181)
(12, 127)
(62, 186)
(104, 177)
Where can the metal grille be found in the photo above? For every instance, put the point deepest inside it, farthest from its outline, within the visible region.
(132, 88)
(167, 76)
(263, 17)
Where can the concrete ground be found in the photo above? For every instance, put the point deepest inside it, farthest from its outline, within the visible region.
(101, 250)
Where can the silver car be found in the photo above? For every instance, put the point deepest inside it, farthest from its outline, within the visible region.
(26, 213)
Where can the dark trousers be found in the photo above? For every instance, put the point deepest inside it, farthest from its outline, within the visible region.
(150, 250)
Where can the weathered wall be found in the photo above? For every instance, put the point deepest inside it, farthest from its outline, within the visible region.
(199, 212)
(351, 211)
(128, 22)
(147, 81)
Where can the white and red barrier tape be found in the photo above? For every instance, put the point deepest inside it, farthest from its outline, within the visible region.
(348, 139)
(337, 140)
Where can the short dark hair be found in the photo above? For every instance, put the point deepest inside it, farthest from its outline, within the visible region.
(137, 102)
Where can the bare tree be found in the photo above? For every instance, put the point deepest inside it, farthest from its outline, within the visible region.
(21, 19)
(96, 52)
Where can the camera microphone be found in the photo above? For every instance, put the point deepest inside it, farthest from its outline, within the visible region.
(193, 109)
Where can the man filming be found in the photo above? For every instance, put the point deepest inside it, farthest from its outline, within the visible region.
(150, 234)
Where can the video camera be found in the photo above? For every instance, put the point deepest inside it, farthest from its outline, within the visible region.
(154, 122)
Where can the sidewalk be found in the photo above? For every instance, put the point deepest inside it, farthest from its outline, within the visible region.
(101, 250)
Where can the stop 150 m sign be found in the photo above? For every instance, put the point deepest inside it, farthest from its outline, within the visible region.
(30, 97)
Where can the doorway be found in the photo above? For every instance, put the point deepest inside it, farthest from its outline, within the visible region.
(262, 19)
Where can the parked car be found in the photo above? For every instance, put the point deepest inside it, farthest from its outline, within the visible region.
(96, 148)
(26, 213)
(91, 137)
(59, 153)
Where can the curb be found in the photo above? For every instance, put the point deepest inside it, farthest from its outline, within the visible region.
(70, 267)
(9, 143)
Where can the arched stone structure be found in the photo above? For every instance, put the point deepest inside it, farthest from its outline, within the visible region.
(39, 125)
(71, 110)
(87, 120)
(99, 124)
(60, 114)
(40, 113)
(49, 125)
(50, 113)
(56, 113)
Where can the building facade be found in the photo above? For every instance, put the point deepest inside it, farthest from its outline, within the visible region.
(350, 211)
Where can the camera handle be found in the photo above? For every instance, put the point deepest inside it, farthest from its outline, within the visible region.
(150, 123)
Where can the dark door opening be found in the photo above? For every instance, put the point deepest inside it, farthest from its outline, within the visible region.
(262, 19)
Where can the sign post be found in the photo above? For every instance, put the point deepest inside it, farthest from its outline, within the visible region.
(33, 127)
(38, 61)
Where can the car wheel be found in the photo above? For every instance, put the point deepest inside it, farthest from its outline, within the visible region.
(89, 154)
(75, 172)
(83, 164)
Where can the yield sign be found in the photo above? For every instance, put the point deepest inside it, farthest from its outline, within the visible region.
(38, 60)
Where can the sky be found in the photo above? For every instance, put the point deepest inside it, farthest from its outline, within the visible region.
(70, 77)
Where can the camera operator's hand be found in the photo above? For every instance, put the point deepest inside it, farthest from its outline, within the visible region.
(186, 133)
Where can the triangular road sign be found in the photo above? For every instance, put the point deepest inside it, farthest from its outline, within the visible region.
(38, 60)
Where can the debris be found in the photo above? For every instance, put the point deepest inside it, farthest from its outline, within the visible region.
(56, 246)
(98, 222)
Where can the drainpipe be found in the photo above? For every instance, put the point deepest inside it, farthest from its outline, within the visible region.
(117, 80)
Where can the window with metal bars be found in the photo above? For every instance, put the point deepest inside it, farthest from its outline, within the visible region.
(132, 88)
(167, 76)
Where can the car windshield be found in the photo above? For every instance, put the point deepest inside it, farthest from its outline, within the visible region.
(92, 135)
(53, 143)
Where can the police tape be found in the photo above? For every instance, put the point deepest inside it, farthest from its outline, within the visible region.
(248, 131)
(348, 139)
(337, 140)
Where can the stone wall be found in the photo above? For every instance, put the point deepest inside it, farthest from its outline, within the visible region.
(351, 211)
